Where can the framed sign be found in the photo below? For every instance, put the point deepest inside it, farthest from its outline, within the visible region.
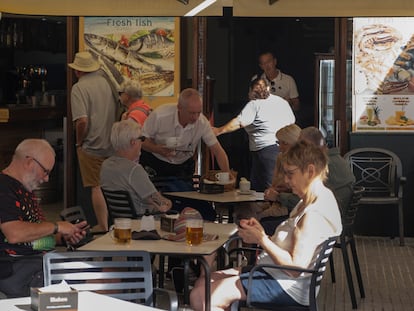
(145, 49)
(383, 74)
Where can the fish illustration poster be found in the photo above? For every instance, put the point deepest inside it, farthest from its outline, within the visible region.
(383, 74)
(137, 48)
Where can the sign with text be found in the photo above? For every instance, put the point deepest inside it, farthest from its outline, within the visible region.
(137, 48)
(383, 74)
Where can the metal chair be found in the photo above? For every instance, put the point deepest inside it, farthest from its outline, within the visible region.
(119, 204)
(379, 171)
(347, 239)
(126, 275)
(316, 279)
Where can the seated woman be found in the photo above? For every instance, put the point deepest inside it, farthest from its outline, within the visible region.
(295, 241)
(123, 172)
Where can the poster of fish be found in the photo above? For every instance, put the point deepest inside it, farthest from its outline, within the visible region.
(137, 48)
(383, 74)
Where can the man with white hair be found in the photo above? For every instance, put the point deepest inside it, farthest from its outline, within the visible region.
(25, 235)
(122, 171)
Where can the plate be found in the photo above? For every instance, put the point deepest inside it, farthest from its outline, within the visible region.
(246, 192)
(224, 182)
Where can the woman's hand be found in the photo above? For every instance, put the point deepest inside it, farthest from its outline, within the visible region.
(251, 231)
(270, 194)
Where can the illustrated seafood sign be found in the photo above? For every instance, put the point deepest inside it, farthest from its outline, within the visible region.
(136, 48)
(383, 74)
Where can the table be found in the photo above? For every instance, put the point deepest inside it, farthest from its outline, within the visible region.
(170, 248)
(87, 301)
(229, 198)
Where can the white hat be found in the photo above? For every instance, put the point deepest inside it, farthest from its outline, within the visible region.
(84, 62)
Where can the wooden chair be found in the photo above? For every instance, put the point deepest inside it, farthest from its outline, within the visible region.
(316, 279)
(379, 171)
(347, 239)
(126, 275)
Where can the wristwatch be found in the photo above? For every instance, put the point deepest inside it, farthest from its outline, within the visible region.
(56, 230)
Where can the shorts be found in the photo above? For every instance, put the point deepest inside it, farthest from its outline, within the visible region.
(265, 291)
(26, 272)
(90, 168)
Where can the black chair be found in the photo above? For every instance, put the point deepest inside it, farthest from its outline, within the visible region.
(126, 275)
(347, 239)
(379, 171)
(119, 204)
(316, 279)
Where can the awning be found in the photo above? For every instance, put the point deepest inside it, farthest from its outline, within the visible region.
(323, 8)
(108, 7)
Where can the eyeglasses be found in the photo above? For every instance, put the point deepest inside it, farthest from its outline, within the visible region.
(289, 173)
(141, 138)
(45, 170)
(272, 89)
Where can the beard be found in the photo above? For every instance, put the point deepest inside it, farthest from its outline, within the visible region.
(31, 182)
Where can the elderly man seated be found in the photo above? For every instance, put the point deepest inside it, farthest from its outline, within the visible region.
(25, 235)
(123, 172)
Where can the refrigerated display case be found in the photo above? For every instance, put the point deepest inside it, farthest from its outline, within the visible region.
(325, 106)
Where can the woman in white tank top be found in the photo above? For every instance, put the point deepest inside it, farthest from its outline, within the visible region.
(295, 242)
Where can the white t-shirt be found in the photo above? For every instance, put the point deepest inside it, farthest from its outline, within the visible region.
(283, 85)
(163, 123)
(262, 118)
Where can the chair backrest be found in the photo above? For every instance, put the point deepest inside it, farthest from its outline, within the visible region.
(125, 275)
(349, 214)
(73, 214)
(377, 170)
(119, 204)
(320, 267)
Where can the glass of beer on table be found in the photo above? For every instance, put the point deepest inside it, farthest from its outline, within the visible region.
(122, 230)
(194, 231)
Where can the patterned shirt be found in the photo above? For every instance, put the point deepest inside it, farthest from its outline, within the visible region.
(17, 204)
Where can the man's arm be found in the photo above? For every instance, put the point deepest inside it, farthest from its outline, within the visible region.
(150, 146)
(221, 157)
(294, 103)
(18, 231)
(81, 126)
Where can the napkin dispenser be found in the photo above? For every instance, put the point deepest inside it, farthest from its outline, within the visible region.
(168, 221)
(46, 301)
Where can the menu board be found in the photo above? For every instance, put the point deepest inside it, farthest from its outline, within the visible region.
(383, 74)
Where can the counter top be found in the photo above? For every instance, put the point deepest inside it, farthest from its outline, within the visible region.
(12, 114)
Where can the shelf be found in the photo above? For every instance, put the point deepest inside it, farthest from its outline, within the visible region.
(25, 113)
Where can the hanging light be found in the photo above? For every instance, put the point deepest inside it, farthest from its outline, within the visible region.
(203, 5)
(184, 1)
(272, 1)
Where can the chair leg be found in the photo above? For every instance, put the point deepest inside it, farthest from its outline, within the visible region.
(332, 267)
(401, 223)
(348, 273)
(357, 268)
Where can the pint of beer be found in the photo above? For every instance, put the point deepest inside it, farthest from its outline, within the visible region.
(194, 231)
(122, 230)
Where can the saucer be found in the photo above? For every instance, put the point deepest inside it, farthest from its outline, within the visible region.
(246, 192)
(224, 182)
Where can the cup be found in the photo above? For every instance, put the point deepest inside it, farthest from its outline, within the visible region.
(122, 230)
(223, 177)
(194, 231)
(244, 186)
(171, 142)
(399, 114)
